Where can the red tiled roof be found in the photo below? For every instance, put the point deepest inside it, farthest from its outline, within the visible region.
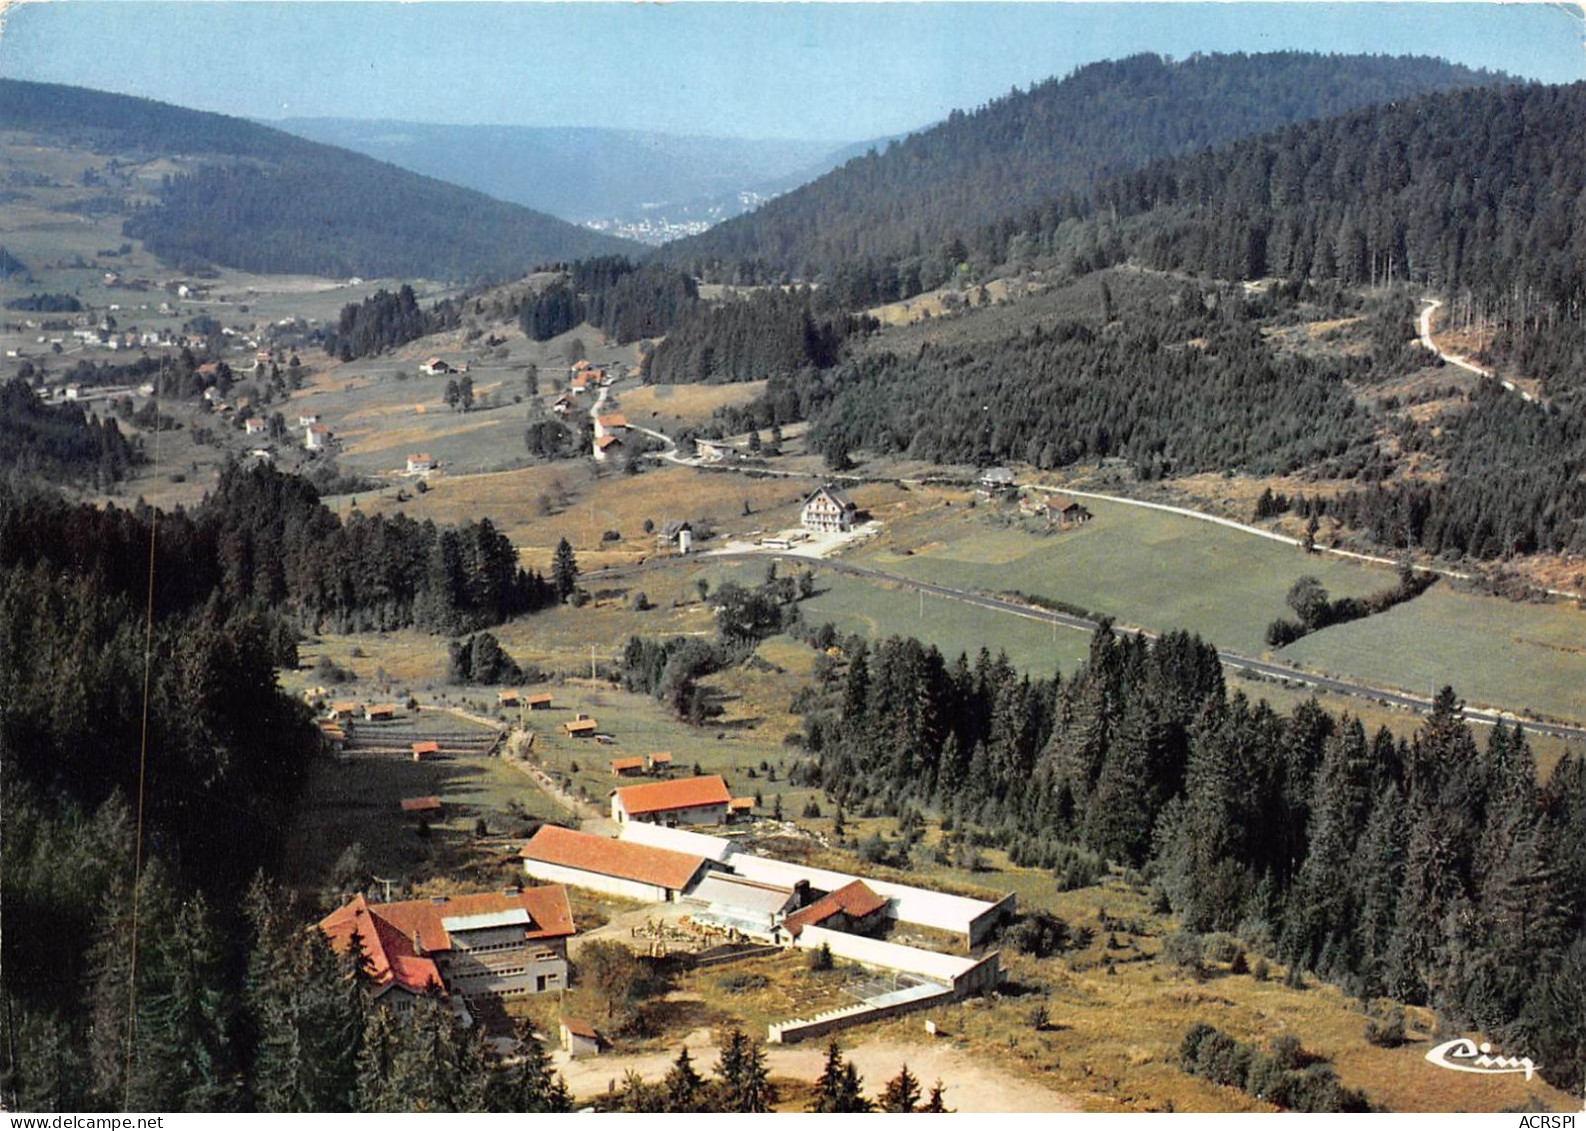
(579, 726)
(741, 804)
(685, 793)
(608, 442)
(856, 900)
(426, 748)
(580, 1028)
(622, 859)
(387, 930)
(536, 700)
(507, 696)
(614, 420)
(660, 759)
(420, 804)
(620, 764)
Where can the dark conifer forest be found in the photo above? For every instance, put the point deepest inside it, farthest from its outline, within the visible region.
(1435, 871)
(900, 210)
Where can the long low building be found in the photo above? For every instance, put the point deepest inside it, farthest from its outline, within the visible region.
(685, 801)
(974, 919)
(616, 867)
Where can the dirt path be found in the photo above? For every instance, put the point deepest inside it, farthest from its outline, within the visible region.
(970, 1084)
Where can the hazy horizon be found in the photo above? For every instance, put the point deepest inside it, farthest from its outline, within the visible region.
(834, 72)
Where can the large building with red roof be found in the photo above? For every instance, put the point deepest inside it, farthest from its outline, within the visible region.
(498, 943)
(686, 801)
(617, 867)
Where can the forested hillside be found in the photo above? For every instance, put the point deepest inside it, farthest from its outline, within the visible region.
(1475, 193)
(1435, 871)
(262, 200)
(897, 212)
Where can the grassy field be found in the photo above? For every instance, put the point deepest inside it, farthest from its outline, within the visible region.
(353, 800)
(735, 746)
(1146, 568)
(1523, 658)
(878, 611)
(670, 408)
(1161, 571)
(582, 503)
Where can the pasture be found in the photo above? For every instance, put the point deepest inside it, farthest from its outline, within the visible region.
(1146, 568)
(351, 806)
(1522, 658)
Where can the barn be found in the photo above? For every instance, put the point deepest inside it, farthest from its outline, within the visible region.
(616, 867)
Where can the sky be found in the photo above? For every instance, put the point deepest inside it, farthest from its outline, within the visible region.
(825, 71)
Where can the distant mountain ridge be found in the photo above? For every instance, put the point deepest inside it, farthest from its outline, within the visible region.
(263, 200)
(589, 174)
(1024, 150)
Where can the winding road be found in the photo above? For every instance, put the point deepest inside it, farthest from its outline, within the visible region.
(1431, 304)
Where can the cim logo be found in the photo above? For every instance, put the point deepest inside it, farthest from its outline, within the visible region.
(1464, 1055)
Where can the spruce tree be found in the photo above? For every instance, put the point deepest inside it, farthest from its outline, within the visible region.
(528, 1085)
(685, 1088)
(902, 1093)
(564, 570)
(742, 1077)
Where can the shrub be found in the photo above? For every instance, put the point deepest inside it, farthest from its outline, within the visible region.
(1386, 1032)
(1182, 950)
(1261, 971)
(820, 958)
(741, 981)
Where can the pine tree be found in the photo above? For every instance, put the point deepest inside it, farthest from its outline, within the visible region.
(564, 570)
(529, 1086)
(829, 1084)
(902, 1093)
(685, 1088)
(742, 1075)
(935, 1104)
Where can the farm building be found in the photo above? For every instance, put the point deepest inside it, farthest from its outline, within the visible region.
(306, 418)
(498, 943)
(740, 807)
(580, 1038)
(581, 727)
(607, 446)
(610, 422)
(687, 801)
(316, 437)
(421, 804)
(627, 767)
(616, 867)
(749, 908)
(540, 702)
(419, 463)
(853, 908)
(508, 699)
(679, 534)
(426, 749)
(659, 763)
(972, 919)
(997, 479)
(827, 510)
(254, 426)
(434, 367)
(380, 712)
(345, 709)
(714, 450)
